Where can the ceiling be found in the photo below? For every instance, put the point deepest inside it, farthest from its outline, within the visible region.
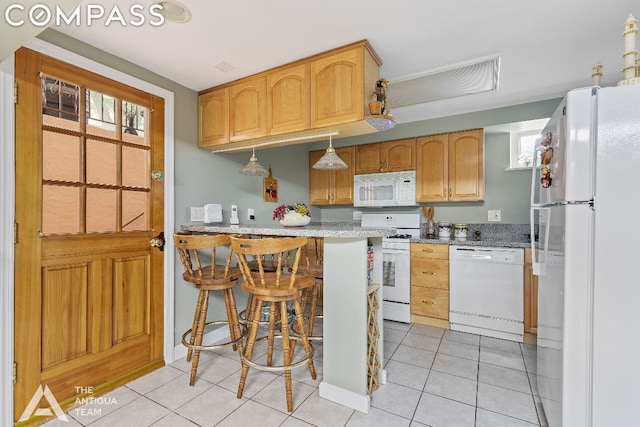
(546, 47)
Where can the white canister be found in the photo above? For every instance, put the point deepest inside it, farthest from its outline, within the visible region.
(444, 229)
(460, 231)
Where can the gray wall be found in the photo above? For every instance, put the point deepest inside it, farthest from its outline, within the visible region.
(202, 177)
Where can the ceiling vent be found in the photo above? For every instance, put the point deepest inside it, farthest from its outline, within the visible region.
(478, 76)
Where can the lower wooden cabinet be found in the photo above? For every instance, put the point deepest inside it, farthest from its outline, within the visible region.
(530, 295)
(430, 280)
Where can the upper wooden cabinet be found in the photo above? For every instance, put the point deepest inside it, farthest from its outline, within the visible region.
(248, 109)
(450, 167)
(322, 93)
(391, 156)
(213, 117)
(331, 187)
(288, 99)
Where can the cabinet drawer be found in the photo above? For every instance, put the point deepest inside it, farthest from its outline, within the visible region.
(431, 273)
(430, 302)
(427, 250)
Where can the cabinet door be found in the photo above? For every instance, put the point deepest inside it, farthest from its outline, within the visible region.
(319, 181)
(466, 166)
(213, 118)
(432, 173)
(431, 273)
(288, 99)
(399, 155)
(530, 295)
(343, 178)
(337, 88)
(248, 109)
(430, 302)
(368, 158)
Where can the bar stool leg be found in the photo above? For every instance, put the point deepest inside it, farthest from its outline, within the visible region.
(272, 328)
(194, 326)
(286, 353)
(230, 304)
(199, 333)
(312, 308)
(303, 336)
(255, 323)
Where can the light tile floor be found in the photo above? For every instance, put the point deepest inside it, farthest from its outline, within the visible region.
(436, 377)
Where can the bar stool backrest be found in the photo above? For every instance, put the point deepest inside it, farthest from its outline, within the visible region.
(188, 246)
(279, 249)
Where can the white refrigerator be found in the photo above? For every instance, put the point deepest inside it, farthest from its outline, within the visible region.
(586, 199)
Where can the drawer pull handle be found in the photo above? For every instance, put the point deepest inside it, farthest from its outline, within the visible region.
(430, 251)
(429, 302)
(429, 273)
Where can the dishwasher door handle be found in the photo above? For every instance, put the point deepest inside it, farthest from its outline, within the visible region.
(481, 257)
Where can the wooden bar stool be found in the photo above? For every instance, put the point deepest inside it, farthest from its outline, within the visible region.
(276, 288)
(311, 265)
(207, 278)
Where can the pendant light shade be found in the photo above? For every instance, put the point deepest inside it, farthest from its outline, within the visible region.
(330, 160)
(253, 168)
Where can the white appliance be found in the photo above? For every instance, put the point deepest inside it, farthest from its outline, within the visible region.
(585, 197)
(486, 291)
(385, 189)
(396, 261)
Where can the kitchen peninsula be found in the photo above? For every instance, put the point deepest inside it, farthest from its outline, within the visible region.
(344, 301)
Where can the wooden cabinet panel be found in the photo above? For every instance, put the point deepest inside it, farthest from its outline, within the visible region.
(248, 109)
(213, 118)
(530, 295)
(466, 165)
(432, 273)
(391, 156)
(432, 174)
(331, 187)
(337, 88)
(288, 98)
(429, 251)
(430, 302)
(450, 167)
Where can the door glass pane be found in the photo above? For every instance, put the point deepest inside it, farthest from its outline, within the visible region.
(133, 123)
(102, 210)
(135, 210)
(101, 162)
(60, 157)
(60, 209)
(101, 114)
(60, 103)
(135, 167)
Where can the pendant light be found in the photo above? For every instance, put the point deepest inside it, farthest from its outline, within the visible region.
(253, 168)
(330, 160)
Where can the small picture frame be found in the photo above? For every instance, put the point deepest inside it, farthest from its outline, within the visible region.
(270, 188)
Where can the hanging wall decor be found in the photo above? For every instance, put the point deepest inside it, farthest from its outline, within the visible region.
(270, 188)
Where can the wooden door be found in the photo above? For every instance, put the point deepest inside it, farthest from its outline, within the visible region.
(337, 88)
(248, 109)
(369, 158)
(432, 174)
(213, 118)
(88, 286)
(288, 99)
(466, 166)
(319, 181)
(400, 155)
(343, 178)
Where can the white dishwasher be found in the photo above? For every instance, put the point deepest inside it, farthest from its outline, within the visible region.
(486, 291)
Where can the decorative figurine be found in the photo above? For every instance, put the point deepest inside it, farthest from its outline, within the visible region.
(630, 72)
(596, 74)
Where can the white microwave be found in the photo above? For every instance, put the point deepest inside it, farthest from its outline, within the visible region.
(385, 189)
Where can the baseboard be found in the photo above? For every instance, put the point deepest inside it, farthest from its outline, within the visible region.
(348, 398)
(211, 337)
(430, 321)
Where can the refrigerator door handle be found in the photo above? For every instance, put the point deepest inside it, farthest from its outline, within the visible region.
(537, 267)
(534, 175)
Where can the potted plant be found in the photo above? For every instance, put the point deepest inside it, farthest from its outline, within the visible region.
(292, 215)
(379, 97)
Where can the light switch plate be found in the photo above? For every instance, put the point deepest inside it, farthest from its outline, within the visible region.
(494, 215)
(251, 214)
(197, 213)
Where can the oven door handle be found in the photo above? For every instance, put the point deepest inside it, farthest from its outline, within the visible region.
(394, 252)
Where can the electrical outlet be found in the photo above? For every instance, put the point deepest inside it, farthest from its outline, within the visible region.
(357, 215)
(494, 215)
(197, 213)
(251, 214)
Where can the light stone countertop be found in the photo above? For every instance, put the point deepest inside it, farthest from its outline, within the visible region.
(488, 242)
(333, 229)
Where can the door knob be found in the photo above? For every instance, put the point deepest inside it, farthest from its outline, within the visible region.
(158, 241)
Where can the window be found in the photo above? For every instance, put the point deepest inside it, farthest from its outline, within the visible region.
(524, 138)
